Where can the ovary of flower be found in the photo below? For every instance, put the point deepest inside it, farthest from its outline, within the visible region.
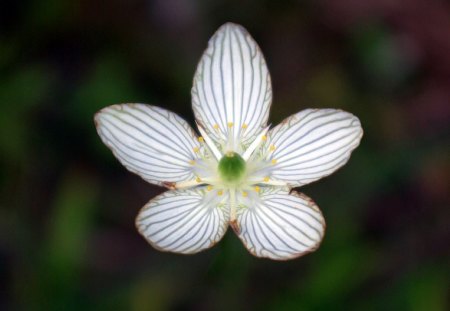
(239, 171)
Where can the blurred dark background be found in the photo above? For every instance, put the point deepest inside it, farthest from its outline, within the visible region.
(67, 236)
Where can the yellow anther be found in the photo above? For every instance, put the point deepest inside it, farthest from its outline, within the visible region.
(230, 154)
(272, 148)
(230, 124)
(274, 161)
(209, 188)
(244, 126)
(200, 139)
(198, 179)
(220, 192)
(216, 126)
(264, 137)
(244, 194)
(191, 162)
(196, 149)
(266, 179)
(257, 188)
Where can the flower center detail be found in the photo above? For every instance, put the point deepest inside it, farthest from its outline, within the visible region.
(231, 168)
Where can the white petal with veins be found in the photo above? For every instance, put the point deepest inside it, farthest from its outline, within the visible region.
(280, 225)
(150, 141)
(312, 144)
(232, 92)
(184, 221)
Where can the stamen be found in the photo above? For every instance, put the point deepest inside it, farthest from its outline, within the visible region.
(257, 188)
(198, 179)
(209, 143)
(229, 146)
(274, 161)
(244, 194)
(275, 183)
(200, 139)
(244, 126)
(220, 192)
(191, 162)
(196, 149)
(216, 126)
(255, 144)
(266, 179)
(264, 137)
(272, 148)
(185, 184)
(209, 187)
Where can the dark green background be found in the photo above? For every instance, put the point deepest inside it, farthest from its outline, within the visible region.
(67, 236)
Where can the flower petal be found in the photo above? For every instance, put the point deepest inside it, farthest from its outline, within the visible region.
(232, 90)
(280, 225)
(312, 144)
(150, 141)
(183, 221)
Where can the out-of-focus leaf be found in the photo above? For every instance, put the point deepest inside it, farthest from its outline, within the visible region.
(329, 87)
(153, 293)
(8, 50)
(109, 83)
(19, 93)
(331, 278)
(423, 289)
(52, 13)
(384, 62)
(428, 290)
(64, 253)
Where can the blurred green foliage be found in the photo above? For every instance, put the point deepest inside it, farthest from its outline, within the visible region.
(67, 236)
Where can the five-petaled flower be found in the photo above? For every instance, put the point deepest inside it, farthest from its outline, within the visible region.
(238, 172)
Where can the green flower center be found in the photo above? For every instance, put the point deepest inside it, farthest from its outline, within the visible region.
(232, 168)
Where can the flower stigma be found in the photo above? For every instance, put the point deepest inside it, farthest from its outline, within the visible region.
(231, 169)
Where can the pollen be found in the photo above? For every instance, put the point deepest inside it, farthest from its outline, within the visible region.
(230, 124)
(272, 148)
(200, 139)
(216, 126)
(266, 179)
(220, 192)
(244, 194)
(191, 162)
(196, 149)
(198, 179)
(264, 137)
(257, 188)
(274, 161)
(244, 126)
(209, 188)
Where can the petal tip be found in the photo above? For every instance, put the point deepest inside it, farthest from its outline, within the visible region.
(99, 115)
(231, 25)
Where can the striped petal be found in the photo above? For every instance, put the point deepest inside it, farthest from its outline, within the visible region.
(150, 141)
(183, 221)
(232, 91)
(312, 144)
(280, 225)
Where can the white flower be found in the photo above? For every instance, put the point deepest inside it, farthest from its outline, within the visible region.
(238, 172)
